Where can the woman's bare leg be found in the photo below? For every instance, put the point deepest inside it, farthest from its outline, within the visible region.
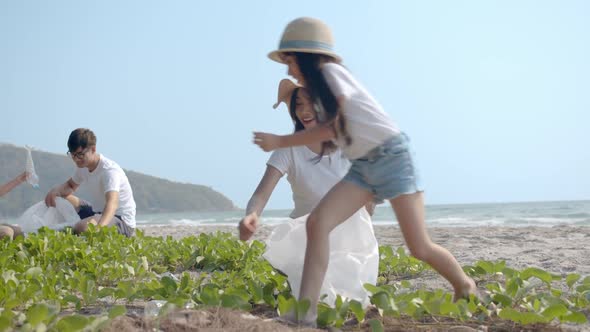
(341, 202)
(82, 225)
(409, 210)
(75, 201)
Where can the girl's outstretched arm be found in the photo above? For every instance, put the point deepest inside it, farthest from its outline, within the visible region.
(270, 142)
(249, 223)
(12, 184)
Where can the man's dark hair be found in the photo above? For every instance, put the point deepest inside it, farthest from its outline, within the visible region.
(81, 138)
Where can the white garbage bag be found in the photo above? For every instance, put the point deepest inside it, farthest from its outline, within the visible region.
(354, 257)
(32, 177)
(39, 215)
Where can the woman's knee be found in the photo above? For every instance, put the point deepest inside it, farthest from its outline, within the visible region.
(311, 224)
(6, 231)
(80, 227)
(315, 226)
(17, 231)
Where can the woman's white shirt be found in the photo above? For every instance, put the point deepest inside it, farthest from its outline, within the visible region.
(366, 122)
(310, 180)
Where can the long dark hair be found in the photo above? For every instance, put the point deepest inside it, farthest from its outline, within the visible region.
(327, 147)
(292, 110)
(321, 94)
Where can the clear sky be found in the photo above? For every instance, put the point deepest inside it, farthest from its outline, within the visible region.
(494, 94)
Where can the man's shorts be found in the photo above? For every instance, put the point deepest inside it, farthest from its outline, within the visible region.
(122, 227)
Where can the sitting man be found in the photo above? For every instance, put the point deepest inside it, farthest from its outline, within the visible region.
(107, 183)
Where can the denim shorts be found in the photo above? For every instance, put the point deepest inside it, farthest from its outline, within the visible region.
(387, 171)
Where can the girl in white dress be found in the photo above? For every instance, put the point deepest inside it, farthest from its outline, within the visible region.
(354, 253)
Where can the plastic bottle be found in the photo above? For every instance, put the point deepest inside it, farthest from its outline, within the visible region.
(32, 177)
(153, 307)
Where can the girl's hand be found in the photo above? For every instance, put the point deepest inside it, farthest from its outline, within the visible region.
(248, 226)
(22, 177)
(267, 142)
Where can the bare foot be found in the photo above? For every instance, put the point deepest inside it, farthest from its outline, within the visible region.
(289, 319)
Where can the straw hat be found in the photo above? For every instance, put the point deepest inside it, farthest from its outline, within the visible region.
(306, 35)
(286, 88)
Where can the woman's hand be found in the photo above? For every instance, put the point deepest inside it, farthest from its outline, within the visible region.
(267, 142)
(248, 226)
(22, 177)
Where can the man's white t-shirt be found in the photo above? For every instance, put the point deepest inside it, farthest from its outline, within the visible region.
(108, 176)
(366, 122)
(310, 181)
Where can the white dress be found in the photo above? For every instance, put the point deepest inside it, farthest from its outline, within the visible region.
(354, 252)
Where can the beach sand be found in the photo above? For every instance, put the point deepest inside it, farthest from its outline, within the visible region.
(559, 250)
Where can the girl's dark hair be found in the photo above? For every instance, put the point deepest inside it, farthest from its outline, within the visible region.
(326, 146)
(320, 93)
(292, 110)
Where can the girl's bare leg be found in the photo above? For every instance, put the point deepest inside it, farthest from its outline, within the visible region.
(341, 202)
(409, 210)
(75, 201)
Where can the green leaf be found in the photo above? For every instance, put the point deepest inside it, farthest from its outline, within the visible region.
(535, 272)
(376, 325)
(33, 272)
(326, 316)
(116, 311)
(169, 284)
(574, 317)
(5, 323)
(555, 311)
(268, 296)
(488, 267)
(522, 317)
(234, 301)
(37, 313)
(184, 281)
(104, 292)
(286, 305)
(502, 299)
(72, 323)
(372, 288)
(301, 308)
(571, 279)
(449, 308)
(357, 309)
(383, 301)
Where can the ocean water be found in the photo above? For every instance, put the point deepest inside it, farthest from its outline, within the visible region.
(456, 215)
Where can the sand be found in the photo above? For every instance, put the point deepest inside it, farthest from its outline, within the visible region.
(560, 250)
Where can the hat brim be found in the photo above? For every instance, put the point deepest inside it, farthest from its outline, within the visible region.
(276, 55)
(286, 88)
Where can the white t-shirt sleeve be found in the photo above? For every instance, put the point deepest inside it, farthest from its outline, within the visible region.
(281, 160)
(111, 181)
(339, 80)
(79, 177)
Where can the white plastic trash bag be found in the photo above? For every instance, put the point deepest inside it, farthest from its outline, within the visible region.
(354, 257)
(39, 215)
(32, 177)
